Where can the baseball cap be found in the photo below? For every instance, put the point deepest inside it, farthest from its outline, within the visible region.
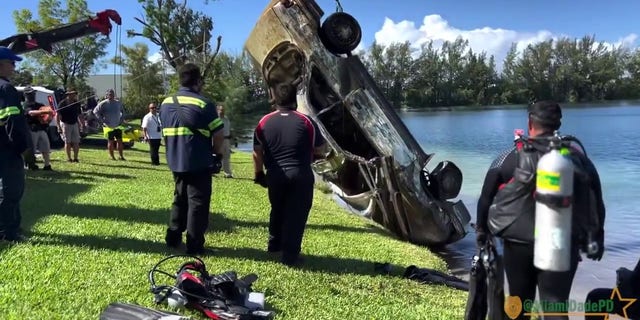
(28, 89)
(7, 54)
(546, 112)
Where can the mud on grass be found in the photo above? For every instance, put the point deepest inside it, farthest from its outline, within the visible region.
(97, 227)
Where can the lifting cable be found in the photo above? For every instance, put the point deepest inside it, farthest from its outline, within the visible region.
(338, 6)
(162, 61)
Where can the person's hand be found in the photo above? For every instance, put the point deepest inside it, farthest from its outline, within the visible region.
(261, 179)
(599, 240)
(217, 163)
(481, 238)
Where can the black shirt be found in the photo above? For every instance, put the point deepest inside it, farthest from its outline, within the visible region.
(288, 138)
(69, 111)
(14, 131)
(34, 121)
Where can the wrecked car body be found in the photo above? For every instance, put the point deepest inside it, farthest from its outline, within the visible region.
(375, 165)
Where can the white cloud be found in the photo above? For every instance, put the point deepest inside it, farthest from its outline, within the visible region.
(155, 58)
(494, 41)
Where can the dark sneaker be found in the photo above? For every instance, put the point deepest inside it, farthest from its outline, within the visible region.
(47, 168)
(75, 160)
(33, 167)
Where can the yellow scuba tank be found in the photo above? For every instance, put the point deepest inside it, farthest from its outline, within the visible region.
(553, 209)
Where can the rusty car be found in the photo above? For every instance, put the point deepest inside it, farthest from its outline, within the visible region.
(375, 165)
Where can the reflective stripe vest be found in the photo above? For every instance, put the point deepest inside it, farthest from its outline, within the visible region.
(187, 129)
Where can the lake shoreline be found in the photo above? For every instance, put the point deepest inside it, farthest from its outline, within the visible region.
(595, 104)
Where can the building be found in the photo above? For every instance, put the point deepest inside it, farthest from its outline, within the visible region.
(103, 82)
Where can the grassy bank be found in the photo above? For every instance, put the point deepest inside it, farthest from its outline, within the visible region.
(97, 227)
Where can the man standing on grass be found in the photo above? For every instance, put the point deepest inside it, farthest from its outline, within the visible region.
(153, 133)
(70, 123)
(110, 113)
(14, 137)
(226, 155)
(285, 142)
(38, 129)
(190, 127)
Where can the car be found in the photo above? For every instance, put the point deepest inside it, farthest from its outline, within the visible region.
(375, 165)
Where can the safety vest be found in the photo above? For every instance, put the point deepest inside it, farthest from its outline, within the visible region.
(188, 147)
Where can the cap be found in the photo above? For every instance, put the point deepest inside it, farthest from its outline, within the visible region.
(28, 89)
(7, 54)
(546, 112)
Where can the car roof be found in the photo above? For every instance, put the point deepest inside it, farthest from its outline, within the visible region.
(36, 88)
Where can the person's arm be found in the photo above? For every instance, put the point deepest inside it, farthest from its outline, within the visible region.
(97, 111)
(144, 125)
(499, 172)
(258, 153)
(215, 125)
(13, 118)
(596, 186)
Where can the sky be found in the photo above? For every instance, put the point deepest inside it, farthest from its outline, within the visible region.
(489, 25)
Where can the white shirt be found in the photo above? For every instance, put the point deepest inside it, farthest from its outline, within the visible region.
(152, 122)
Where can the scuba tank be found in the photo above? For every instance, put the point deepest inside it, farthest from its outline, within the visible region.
(553, 208)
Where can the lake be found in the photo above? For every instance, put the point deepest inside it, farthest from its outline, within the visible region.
(610, 133)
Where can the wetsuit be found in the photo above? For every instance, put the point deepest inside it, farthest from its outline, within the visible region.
(14, 141)
(522, 275)
(627, 290)
(287, 139)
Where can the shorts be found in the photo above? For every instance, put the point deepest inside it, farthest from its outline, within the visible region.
(70, 132)
(115, 134)
(41, 141)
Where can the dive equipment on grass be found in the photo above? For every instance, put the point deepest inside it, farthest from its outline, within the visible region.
(126, 311)
(223, 296)
(554, 192)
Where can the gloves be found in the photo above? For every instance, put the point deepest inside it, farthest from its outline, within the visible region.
(217, 163)
(261, 179)
(599, 239)
(481, 238)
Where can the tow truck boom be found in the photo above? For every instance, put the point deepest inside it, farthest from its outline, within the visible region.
(32, 41)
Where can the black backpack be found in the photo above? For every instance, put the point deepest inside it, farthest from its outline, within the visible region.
(512, 213)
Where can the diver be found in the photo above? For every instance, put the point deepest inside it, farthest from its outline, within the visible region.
(544, 118)
(628, 285)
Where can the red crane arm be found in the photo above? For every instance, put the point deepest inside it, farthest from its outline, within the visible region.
(27, 42)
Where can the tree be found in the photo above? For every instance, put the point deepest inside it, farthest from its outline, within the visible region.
(144, 79)
(181, 33)
(71, 61)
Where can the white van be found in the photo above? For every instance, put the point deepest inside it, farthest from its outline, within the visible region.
(48, 97)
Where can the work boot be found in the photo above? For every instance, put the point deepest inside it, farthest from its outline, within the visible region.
(173, 238)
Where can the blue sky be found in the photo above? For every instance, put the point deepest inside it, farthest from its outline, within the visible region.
(490, 25)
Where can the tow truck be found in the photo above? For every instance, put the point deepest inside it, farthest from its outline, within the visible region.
(44, 39)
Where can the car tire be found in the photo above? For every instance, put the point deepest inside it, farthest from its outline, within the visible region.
(340, 33)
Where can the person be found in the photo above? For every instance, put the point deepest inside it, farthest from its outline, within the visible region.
(110, 113)
(628, 286)
(38, 128)
(152, 133)
(544, 118)
(226, 154)
(190, 125)
(70, 123)
(14, 137)
(284, 143)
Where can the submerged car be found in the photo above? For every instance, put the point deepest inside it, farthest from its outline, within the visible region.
(375, 164)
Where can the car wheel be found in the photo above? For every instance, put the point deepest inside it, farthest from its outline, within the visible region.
(341, 33)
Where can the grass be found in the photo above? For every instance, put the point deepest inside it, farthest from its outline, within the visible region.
(97, 227)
